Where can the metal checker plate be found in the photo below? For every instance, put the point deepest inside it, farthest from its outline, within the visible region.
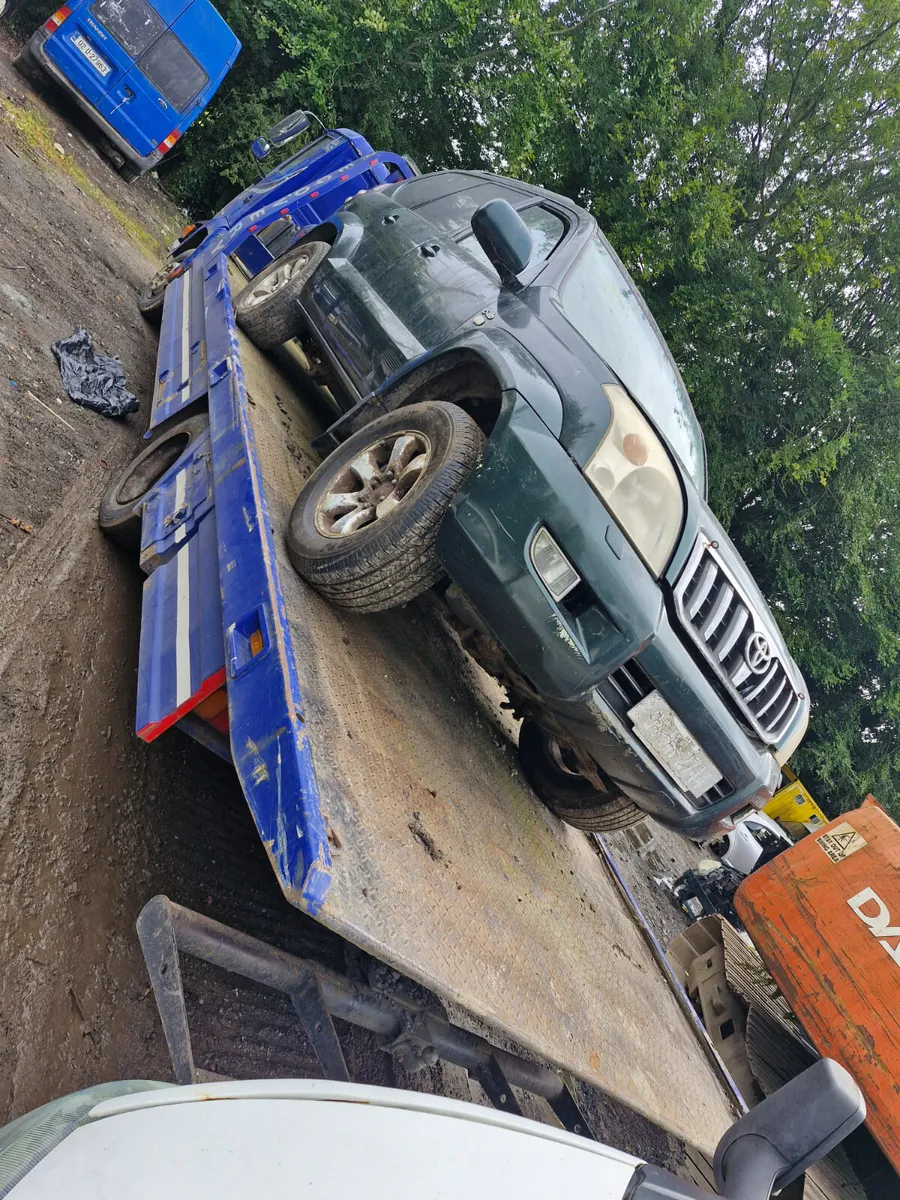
(444, 865)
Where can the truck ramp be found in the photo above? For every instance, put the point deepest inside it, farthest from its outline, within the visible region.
(445, 866)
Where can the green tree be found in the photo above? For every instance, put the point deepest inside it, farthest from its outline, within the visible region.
(450, 82)
(742, 156)
(743, 160)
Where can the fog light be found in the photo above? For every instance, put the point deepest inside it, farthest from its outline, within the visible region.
(557, 573)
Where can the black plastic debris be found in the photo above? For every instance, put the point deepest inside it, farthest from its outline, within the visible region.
(92, 379)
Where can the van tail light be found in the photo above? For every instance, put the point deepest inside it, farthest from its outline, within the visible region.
(53, 23)
(169, 142)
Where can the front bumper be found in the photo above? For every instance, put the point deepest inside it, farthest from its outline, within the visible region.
(36, 50)
(574, 651)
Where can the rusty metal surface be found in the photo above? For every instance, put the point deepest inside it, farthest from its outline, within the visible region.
(445, 866)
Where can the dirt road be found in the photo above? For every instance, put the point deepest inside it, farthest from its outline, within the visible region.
(92, 821)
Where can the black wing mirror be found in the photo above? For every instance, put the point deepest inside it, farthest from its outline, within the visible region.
(794, 1127)
(504, 237)
(260, 149)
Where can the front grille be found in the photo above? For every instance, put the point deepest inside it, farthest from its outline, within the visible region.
(724, 625)
(630, 683)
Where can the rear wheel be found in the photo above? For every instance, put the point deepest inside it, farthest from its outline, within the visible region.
(153, 295)
(267, 307)
(556, 781)
(9, 8)
(130, 172)
(121, 507)
(364, 527)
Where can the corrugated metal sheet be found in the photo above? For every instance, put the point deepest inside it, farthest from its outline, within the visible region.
(825, 917)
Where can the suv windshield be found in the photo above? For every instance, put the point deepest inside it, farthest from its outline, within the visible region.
(603, 304)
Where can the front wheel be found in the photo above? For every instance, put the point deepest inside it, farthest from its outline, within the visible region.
(556, 781)
(363, 529)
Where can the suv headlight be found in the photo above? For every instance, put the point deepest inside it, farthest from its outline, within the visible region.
(634, 477)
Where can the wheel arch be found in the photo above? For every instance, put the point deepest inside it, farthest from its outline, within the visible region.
(461, 376)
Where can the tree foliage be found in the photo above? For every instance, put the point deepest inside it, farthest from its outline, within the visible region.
(743, 159)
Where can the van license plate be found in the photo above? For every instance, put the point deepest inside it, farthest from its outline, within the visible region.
(90, 54)
(674, 748)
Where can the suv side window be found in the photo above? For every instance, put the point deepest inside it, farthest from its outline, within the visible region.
(546, 228)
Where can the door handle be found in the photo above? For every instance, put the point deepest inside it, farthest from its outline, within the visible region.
(430, 249)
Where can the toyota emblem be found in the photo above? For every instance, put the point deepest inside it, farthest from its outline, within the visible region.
(757, 653)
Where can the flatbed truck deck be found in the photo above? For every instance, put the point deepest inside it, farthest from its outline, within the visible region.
(384, 795)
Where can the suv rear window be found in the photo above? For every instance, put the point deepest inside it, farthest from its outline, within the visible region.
(133, 23)
(174, 71)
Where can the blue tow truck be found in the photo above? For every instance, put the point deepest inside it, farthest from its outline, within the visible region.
(368, 746)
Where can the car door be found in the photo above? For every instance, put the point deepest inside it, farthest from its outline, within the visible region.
(397, 283)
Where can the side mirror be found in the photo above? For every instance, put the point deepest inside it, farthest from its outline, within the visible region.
(794, 1127)
(288, 128)
(504, 237)
(260, 149)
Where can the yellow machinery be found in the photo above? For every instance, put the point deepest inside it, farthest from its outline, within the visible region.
(793, 805)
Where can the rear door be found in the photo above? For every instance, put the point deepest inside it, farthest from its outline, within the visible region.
(397, 284)
(174, 77)
(97, 45)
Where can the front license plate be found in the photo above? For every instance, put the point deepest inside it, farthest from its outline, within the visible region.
(90, 54)
(674, 748)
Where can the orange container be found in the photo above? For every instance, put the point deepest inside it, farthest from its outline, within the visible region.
(825, 917)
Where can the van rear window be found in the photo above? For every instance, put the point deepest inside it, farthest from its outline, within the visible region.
(174, 71)
(133, 23)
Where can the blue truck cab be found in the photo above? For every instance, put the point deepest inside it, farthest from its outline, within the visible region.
(307, 186)
(142, 71)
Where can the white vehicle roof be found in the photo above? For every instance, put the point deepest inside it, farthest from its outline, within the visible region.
(315, 1138)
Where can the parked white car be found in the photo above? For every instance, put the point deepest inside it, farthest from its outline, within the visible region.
(344, 1141)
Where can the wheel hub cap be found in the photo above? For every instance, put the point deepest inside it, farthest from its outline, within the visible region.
(373, 484)
(276, 280)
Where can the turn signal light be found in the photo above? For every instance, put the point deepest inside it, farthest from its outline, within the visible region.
(53, 23)
(169, 141)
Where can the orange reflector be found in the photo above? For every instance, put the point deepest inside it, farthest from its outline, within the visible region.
(188, 229)
(373, 162)
(284, 212)
(344, 178)
(53, 23)
(312, 195)
(253, 228)
(256, 642)
(169, 141)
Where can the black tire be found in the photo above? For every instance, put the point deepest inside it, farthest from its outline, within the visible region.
(25, 65)
(152, 298)
(129, 171)
(569, 795)
(121, 507)
(271, 321)
(9, 8)
(391, 560)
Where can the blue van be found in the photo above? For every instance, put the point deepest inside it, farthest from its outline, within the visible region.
(142, 71)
